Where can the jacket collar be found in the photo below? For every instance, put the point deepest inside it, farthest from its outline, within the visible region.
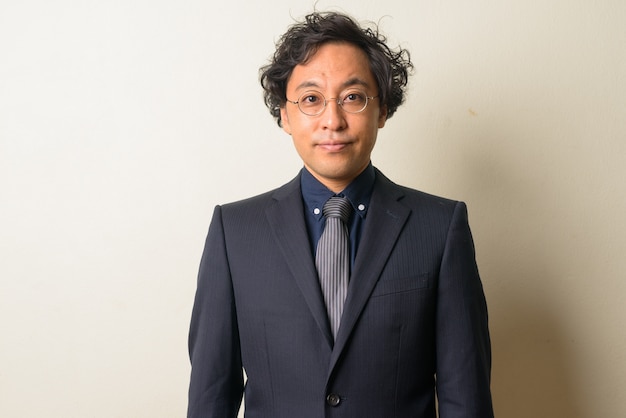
(385, 220)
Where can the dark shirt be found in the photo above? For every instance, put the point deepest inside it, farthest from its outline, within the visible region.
(315, 194)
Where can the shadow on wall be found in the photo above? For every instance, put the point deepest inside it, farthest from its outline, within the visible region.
(533, 370)
(535, 373)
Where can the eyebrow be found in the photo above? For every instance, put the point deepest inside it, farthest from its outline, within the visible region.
(355, 81)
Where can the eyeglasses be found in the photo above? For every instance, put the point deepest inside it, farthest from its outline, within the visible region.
(313, 103)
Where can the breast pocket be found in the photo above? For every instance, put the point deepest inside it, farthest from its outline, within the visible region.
(405, 284)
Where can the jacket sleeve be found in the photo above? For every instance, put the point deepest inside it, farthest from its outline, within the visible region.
(216, 386)
(462, 336)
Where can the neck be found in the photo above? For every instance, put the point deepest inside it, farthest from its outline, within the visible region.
(335, 185)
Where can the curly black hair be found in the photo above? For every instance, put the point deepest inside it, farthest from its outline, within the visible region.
(302, 40)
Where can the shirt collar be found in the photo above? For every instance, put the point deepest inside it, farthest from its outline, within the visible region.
(315, 194)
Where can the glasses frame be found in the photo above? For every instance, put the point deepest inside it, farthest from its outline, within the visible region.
(339, 100)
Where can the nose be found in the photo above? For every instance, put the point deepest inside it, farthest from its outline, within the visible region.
(334, 117)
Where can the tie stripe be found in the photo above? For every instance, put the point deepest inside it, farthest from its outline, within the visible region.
(332, 258)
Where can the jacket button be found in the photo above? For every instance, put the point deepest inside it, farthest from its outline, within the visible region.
(333, 399)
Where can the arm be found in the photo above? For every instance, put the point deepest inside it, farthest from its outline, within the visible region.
(463, 345)
(216, 384)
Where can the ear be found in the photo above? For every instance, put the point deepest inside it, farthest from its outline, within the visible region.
(382, 117)
(284, 120)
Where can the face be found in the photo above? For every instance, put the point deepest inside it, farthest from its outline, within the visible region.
(335, 145)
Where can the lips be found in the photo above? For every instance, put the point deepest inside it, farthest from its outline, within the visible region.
(333, 146)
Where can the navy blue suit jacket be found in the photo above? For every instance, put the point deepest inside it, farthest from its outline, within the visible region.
(414, 322)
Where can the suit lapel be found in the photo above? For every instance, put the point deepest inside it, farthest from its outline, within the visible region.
(385, 220)
(288, 227)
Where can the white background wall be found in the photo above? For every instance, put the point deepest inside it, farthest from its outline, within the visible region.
(122, 123)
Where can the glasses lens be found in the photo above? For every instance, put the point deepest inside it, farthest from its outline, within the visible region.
(354, 101)
(311, 103)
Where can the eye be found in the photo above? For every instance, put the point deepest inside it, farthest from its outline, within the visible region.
(311, 99)
(354, 97)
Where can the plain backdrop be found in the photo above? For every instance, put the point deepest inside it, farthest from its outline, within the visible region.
(122, 123)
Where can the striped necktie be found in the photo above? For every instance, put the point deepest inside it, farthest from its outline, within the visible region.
(332, 258)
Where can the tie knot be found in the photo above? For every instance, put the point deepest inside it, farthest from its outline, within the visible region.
(338, 207)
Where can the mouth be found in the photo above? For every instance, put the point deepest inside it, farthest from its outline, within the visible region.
(333, 146)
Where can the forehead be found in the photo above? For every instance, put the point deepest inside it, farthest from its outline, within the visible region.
(333, 66)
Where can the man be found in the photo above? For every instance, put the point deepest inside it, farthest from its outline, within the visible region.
(369, 324)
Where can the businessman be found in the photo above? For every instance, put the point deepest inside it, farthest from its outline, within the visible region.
(341, 293)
